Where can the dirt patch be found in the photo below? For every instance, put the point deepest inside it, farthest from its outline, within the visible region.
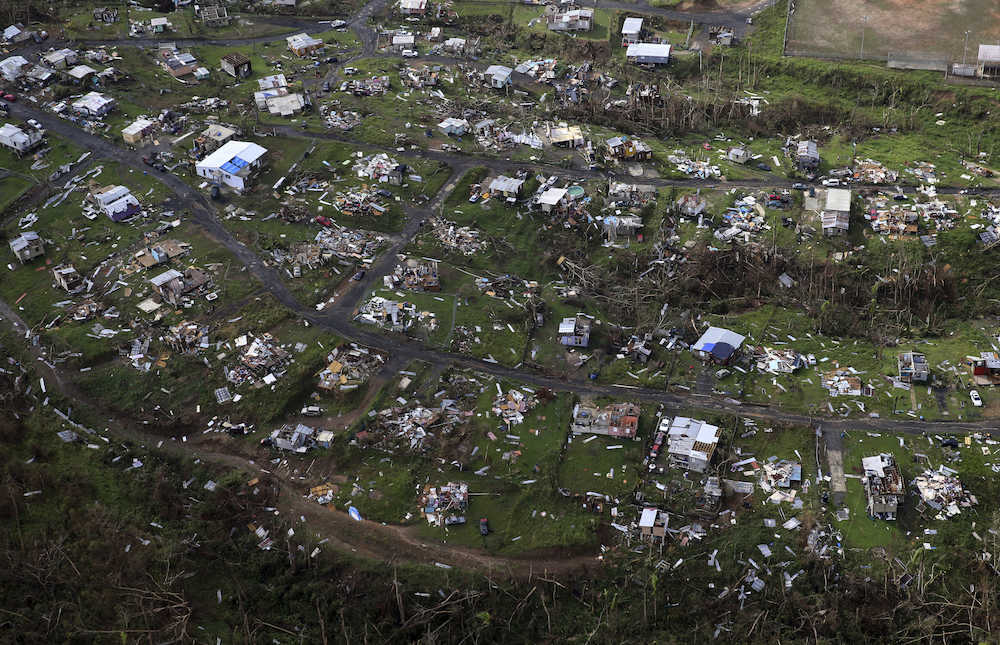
(903, 27)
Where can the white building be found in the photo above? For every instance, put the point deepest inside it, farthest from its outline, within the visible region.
(18, 140)
(303, 44)
(412, 7)
(14, 67)
(27, 246)
(232, 164)
(631, 30)
(94, 104)
(498, 75)
(60, 59)
(454, 127)
(690, 442)
(648, 53)
(837, 214)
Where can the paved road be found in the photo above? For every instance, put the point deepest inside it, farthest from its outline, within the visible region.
(338, 318)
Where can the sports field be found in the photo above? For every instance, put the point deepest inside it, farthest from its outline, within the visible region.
(907, 27)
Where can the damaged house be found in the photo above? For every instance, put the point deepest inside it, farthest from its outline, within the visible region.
(807, 156)
(298, 438)
(628, 148)
(67, 278)
(233, 165)
(913, 367)
(690, 443)
(27, 246)
(985, 368)
(942, 491)
(568, 18)
(718, 345)
(117, 202)
(836, 216)
(445, 505)
(414, 275)
(172, 285)
(349, 366)
(575, 330)
(613, 420)
(884, 486)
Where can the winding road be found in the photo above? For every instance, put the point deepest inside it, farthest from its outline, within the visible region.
(338, 318)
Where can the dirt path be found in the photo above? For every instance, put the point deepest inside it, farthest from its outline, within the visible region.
(383, 542)
(835, 461)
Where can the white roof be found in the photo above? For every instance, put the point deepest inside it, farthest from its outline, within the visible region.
(270, 82)
(989, 53)
(838, 199)
(13, 63)
(166, 277)
(9, 130)
(80, 71)
(506, 184)
(498, 70)
(92, 101)
(567, 325)
(716, 335)
(245, 150)
(412, 4)
(11, 31)
(403, 39)
(873, 465)
(302, 41)
(113, 194)
(648, 518)
(552, 196)
(650, 50)
(59, 54)
(137, 126)
(632, 26)
(453, 122)
(285, 105)
(158, 21)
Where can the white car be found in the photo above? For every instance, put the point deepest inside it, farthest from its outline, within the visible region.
(410, 53)
(35, 124)
(976, 399)
(831, 182)
(312, 411)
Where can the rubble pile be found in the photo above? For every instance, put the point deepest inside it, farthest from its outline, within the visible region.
(924, 171)
(745, 216)
(869, 171)
(780, 474)
(345, 120)
(698, 169)
(445, 505)
(507, 285)
(463, 239)
(187, 337)
(777, 361)
(350, 245)
(414, 275)
(394, 316)
(363, 201)
(512, 405)
(845, 382)
(941, 490)
(411, 426)
(348, 367)
(374, 86)
(260, 358)
(376, 167)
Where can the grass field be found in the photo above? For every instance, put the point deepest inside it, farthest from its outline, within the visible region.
(834, 27)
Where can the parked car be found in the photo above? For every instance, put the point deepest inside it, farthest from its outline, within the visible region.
(326, 86)
(831, 182)
(976, 399)
(764, 167)
(452, 520)
(799, 186)
(323, 220)
(312, 411)
(410, 53)
(484, 526)
(35, 124)
(9, 97)
(357, 277)
(474, 198)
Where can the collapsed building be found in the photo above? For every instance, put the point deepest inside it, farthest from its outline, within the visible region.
(942, 491)
(394, 316)
(613, 420)
(414, 275)
(445, 505)
(511, 406)
(691, 443)
(348, 367)
(884, 486)
(260, 357)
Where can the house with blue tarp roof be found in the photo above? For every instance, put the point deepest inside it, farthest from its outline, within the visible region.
(233, 164)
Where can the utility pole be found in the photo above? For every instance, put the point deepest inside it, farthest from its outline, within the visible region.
(864, 25)
(965, 51)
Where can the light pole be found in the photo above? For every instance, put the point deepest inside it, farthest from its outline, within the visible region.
(864, 20)
(965, 51)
